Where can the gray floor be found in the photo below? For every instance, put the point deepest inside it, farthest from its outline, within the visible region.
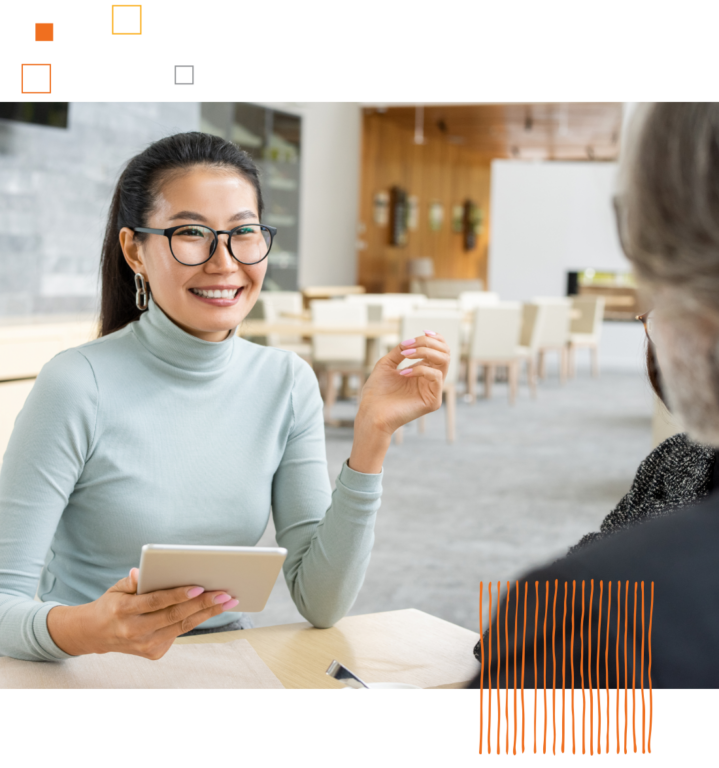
(518, 487)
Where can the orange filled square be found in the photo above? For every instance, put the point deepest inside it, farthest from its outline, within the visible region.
(43, 33)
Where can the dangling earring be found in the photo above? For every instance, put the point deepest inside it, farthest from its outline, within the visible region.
(141, 292)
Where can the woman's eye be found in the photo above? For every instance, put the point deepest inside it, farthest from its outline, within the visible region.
(245, 231)
(190, 232)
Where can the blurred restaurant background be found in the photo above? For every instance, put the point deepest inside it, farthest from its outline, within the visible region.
(491, 223)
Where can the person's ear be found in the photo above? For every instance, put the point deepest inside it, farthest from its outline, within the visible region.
(132, 251)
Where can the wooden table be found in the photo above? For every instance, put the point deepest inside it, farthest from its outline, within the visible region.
(407, 646)
(373, 332)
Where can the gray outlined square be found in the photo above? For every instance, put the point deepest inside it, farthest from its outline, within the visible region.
(184, 74)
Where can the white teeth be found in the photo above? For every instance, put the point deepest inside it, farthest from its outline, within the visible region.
(226, 294)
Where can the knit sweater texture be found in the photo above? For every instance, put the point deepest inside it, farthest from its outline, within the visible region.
(676, 474)
(151, 435)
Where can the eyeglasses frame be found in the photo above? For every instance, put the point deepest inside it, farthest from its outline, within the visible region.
(170, 231)
(644, 318)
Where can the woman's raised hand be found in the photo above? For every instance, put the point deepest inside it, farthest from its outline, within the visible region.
(122, 621)
(392, 398)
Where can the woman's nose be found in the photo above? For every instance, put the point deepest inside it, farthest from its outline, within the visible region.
(222, 258)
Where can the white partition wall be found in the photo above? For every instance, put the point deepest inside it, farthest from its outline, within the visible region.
(549, 218)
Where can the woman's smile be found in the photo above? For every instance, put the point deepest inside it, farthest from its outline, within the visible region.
(218, 295)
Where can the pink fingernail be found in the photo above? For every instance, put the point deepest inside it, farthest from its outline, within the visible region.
(408, 342)
(430, 333)
(230, 605)
(195, 591)
(405, 371)
(408, 351)
(223, 598)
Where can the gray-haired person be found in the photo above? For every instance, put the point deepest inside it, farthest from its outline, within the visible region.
(668, 219)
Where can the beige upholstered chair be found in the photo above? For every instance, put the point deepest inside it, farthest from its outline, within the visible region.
(394, 306)
(494, 343)
(586, 329)
(283, 307)
(337, 354)
(552, 329)
(446, 323)
(469, 300)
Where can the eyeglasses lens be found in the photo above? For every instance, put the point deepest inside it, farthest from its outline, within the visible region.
(192, 245)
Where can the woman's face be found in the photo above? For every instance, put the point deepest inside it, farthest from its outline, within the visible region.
(217, 198)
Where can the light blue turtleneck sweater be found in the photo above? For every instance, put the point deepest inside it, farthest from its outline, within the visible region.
(150, 435)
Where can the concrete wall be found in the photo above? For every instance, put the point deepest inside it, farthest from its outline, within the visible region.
(55, 190)
(330, 182)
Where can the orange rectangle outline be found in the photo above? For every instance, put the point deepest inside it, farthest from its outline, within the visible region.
(45, 24)
(22, 77)
(113, 19)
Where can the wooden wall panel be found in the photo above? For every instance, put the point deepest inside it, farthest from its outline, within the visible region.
(437, 170)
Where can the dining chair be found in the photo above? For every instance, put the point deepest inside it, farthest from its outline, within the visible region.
(447, 323)
(585, 330)
(552, 328)
(469, 300)
(337, 354)
(494, 343)
(394, 306)
(285, 307)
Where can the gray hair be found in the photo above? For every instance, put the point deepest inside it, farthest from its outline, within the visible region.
(669, 224)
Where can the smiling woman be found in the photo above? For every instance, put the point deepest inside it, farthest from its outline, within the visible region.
(171, 429)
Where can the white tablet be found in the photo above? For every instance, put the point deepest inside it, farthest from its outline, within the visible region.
(246, 573)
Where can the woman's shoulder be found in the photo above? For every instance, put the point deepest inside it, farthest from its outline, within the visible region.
(678, 454)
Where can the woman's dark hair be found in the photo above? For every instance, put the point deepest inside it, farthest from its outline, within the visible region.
(134, 199)
(653, 373)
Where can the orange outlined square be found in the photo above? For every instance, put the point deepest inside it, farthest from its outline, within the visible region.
(127, 19)
(43, 33)
(112, 17)
(49, 77)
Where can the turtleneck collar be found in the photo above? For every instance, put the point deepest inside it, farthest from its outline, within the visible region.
(167, 341)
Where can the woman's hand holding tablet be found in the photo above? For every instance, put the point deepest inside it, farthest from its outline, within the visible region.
(122, 621)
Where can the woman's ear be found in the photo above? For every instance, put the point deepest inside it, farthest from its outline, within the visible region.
(132, 251)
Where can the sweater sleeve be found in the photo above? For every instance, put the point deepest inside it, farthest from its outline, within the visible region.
(328, 535)
(45, 456)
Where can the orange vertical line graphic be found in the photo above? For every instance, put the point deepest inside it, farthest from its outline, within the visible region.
(524, 637)
(536, 622)
(649, 671)
(516, 614)
(544, 673)
(619, 634)
(481, 670)
(626, 672)
(599, 646)
(571, 659)
(634, 671)
(498, 750)
(589, 670)
(641, 679)
(506, 667)
(564, 650)
(581, 666)
(554, 669)
(499, 663)
(489, 675)
(606, 653)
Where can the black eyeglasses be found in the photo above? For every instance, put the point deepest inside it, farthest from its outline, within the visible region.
(194, 244)
(647, 321)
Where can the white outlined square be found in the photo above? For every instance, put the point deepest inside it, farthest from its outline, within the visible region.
(184, 74)
(126, 19)
(36, 78)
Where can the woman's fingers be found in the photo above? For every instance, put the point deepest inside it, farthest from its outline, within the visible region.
(211, 603)
(420, 371)
(422, 342)
(428, 354)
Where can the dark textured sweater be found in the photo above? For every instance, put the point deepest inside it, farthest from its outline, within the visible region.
(677, 473)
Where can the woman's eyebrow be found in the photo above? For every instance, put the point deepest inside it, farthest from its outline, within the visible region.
(194, 216)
